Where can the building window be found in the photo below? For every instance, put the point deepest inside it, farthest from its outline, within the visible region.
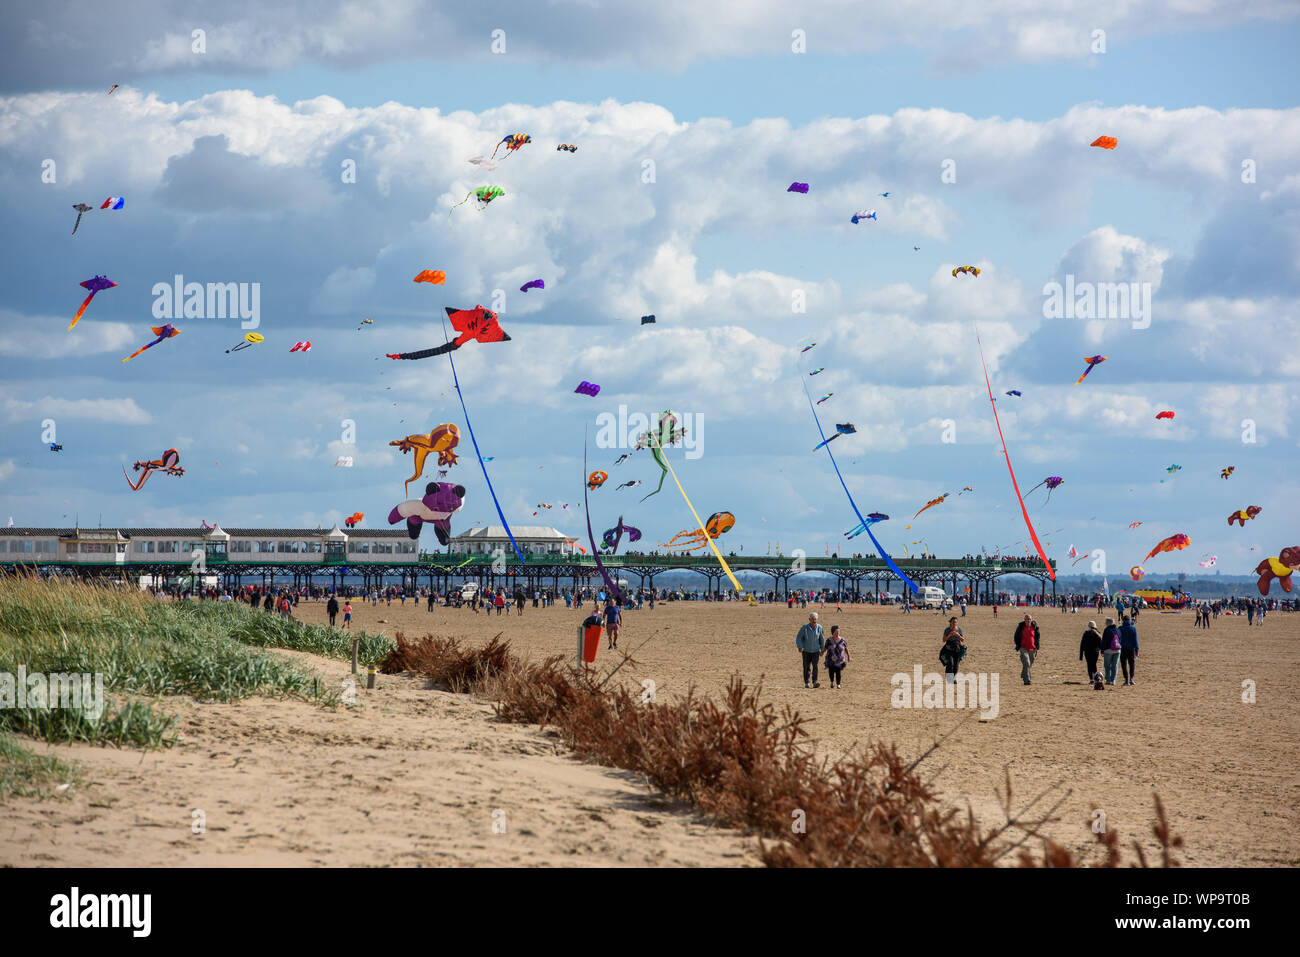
(314, 547)
(169, 548)
(265, 547)
(238, 546)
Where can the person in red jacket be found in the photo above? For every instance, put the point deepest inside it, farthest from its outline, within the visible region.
(1028, 642)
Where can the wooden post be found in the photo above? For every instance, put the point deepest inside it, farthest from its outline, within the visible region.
(370, 677)
(356, 648)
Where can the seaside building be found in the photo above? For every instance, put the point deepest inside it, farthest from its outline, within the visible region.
(532, 540)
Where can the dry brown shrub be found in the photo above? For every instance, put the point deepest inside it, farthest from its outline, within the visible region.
(446, 664)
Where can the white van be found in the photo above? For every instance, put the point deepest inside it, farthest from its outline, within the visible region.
(928, 596)
(469, 591)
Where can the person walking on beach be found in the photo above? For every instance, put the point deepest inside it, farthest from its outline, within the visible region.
(347, 616)
(499, 602)
(1128, 649)
(1110, 648)
(332, 609)
(1028, 641)
(953, 650)
(1090, 648)
(810, 641)
(837, 656)
(613, 622)
(519, 600)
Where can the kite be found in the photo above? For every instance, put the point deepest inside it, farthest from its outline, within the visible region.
(55, 447)
(613, 536)
(1105, 142)
(1052, 481)
(647, 320)
(169, 462)
(871, 519)
(1171, 469)
(483, 162)
(806, 348)
(825, 397)
(110, 92)
(478, 324)
(343, 462)
(965, 489)
(532, 284)
(689, 540)
(365, 322)
(435, 276)
(797, 188)
(512, 142)
(484, 194)
(632, 484)
(567, 147)
(1136, 573)
(865, 214)
(1169, 544)
(352, 520)
(596, 479)
(885, 195)
(916, 249)
(443, 439)
(1164, 415)
(933, 502)
(250, 339)
(622, 458)
(1224, 473)
(162, 332)
(817, 370)
(1079, 559)
(1051, 572)
(304, 346)
(81, 208)
(440, 502)
(1015, 392)
(863, 524)
(968, 270)
(92, 285)
(587, 388)
(1209, 562)
(843, 428)
(1242, 516)
(1092, 361)
(1134, 524)
(668, 434)
(113, 202)
(1280, 567)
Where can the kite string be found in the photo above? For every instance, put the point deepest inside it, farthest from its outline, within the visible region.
(893, 566)
(591, 536)
(1010, 471)
(712, 544)
(483, 465)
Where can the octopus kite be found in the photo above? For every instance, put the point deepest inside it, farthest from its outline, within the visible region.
(613, 536)
(92, 285)
(1172, 543)
(162, 332)
(597, 479)
(1052, 481)
(478, 324)
(932, 503)
(484, 195)
(690, 539)
(169, 462)
(871, 519)
(1092, 361)
(1281, 567)
(443, 440)
(1242, 516)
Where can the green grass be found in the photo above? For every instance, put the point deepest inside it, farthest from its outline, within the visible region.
(24, 774)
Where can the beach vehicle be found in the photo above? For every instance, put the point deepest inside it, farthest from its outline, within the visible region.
(929, 596)
(469, 591)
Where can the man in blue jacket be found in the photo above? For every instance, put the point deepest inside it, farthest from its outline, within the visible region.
(810, 641)
(1128, 649)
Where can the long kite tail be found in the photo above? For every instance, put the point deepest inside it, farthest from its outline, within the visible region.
(1084, 376)
(82, 311)
(136, 353)
(461, 203)
(1010, 471)
(76, 224)
(712, 544)
(504, 524)
(893, 566)
(424, 353)
(591, 536)
(826, 442)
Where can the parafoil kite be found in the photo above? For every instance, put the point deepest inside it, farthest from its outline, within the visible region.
(439, 503)
(250, 339)
(343, 462)
(55, 447)
(484, 195)
(1280, 567)
(865, 214)
(1171, 469)
(614, 536)
(435, 276)
(596, 479)
(930, 504)
(81, 209)
(587, 388)
(690, 539)
(1105, 142)
(167, 331)
(1015, 392)
(304, 346)
(1242, 516)
(532, 284)
(113, 202)
(841, 428)
(797, 188)
(1137, 572)
(478, 324)
(511, 142)
(1224, 473)
(92, 285)
(1052, 481)
(647, 320)
(969, 270)
(825, 397)
(443, 440)
(169, 462)
(567, 147)
(1134, 524)
(1092, 361)
(352, 520)
(1178, 541)
(1164, 415)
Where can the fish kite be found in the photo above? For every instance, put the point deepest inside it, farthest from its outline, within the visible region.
(113, 202)
(92, 285)
(532, 284)
(169, 462)
(511, 142)
(1052, 481)
(1224, 473)
(797, 188)
(825, 397)
(443, 439)
(304, 346)
(632, 484)
(352, 520)
(1105, 142)
(613, 536)
(844, 428)
(484, 195)
(930, 504)
(690, 539)
(1169, 544)
(81, 209)
(478, 324)
(1242, 516)
(250, 339)
(596, 479)
(435, 276)
(587, 388)
(1092, 361)
(1164, 415)
(167, 331)
(1015, 392)
(567, 147)
(646, 320)
(968, 270)
(865, 214)
(440, 502)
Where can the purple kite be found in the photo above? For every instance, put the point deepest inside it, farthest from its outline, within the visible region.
(587, 388)
(797, 188)
(162, 332)
(1052, 481)
(533, 284)
(94, 284)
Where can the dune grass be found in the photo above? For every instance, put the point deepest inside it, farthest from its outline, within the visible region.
(24, 774)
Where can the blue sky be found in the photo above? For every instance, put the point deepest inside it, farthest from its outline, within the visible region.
(230, 161)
